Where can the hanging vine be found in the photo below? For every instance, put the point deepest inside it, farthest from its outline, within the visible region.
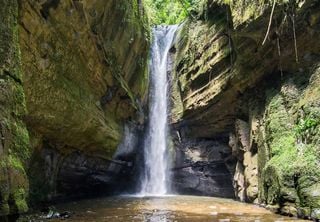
(270, 22)
(290, 12)
(294, 33)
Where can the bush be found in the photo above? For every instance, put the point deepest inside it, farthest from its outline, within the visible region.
(168, 11)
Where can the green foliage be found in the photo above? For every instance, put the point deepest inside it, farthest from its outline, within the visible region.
(290, 160)
(168, 11)
(282, 144)
(12, 162)
(297, 161)
(306, 127)
(19, 197)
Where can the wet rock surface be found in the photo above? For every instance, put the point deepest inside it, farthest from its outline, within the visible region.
(245, 115)
(63, 75)
(80, 86)
(203, 168)
(261, 98)
(59, 176)
(14, 138)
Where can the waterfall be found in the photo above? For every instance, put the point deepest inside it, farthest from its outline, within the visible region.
(155, 144)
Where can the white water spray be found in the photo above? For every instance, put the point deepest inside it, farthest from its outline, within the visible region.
(155, 146)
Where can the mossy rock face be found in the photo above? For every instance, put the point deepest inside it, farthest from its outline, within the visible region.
(272, 185)
(202, 62)
(219, 56)
(309, 191)
(294, 154)
(222, 68)
(84, 70)
(14, 138)
(85, 75)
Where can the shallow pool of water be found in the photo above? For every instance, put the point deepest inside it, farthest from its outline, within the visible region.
(166, 209)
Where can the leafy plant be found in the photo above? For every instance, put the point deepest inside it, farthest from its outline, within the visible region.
(168, 11)
(305, 128)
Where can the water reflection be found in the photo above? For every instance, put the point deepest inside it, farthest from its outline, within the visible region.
(158, 210)
(166, 209)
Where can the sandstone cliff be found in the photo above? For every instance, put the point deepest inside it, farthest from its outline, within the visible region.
(83, 72)
(14, 139)
(260, 99)
(245, 111)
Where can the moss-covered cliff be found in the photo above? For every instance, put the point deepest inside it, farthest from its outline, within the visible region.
(14, 139)
(229, 84)
(80, 76)
(245, 109)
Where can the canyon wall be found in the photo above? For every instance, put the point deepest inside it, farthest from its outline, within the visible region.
(73, 73)
(245, 110)
(259, 100)
(14, 139)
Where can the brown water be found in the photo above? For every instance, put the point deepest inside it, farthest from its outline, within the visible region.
(166, 209)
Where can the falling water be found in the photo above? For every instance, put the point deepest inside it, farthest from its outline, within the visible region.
(155, 146)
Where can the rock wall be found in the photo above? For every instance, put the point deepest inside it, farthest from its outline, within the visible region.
(84, 70)
(289, 130)
(259, 100)
(80, 77)
(245, 115)
(14, 139)
(202, 167)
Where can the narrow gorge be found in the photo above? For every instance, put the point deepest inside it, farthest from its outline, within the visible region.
(158, 110)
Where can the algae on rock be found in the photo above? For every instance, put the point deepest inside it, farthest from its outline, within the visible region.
(85, 76)
(14, 139)
(80, 76)
(224, 74)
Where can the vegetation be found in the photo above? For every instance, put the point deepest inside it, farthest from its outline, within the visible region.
(306, 127)
(168, 11)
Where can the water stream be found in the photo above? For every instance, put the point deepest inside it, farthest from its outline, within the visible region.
(155, 147)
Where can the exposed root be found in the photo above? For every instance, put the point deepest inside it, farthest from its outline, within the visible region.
(270, 22)
(279, 53)
(279, 49)
(229, 18)
(295, 37)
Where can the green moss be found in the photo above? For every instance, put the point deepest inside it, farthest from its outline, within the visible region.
(20, 146)
(287, 154)
(12, 162)
(307, 128)
(244, 11)
(294, 164)
(14, 192)
(19, 197)
(285, 160)
(271, 184)
(15, 149)
(283, 144)
(4, 209)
